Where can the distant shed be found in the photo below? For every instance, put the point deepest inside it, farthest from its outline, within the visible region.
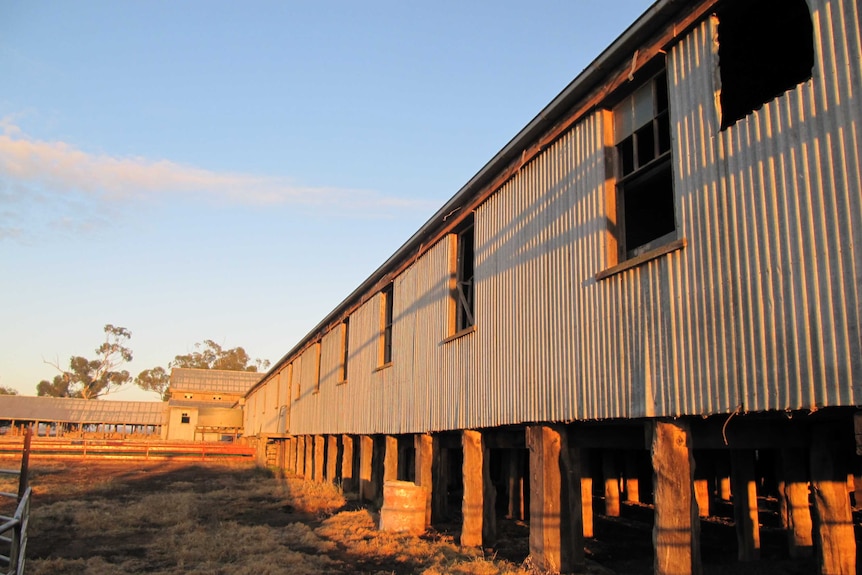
(61, 415)
(205, 404)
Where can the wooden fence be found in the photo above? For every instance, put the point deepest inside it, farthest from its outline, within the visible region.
(64, 448)
(13, 529)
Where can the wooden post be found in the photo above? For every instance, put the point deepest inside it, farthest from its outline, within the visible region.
(836, 543)
(702, 484)
(366, 453)
(857, 486)
(744, 484)
(440, 479)
(514, 484)
(332, 458)
(676, 532)
(472, 506)
(632, 484)
(489, 498)
(378, 469)
(319, 458)
(612, 483)
(309, 457)
(348, 480)
(300, 455)
(390, 458)
(586, 493)
(722, 475)
(425, 446)
(793, 483)
(24, 472)
(572, 555)
(556, 542)
(291, 455)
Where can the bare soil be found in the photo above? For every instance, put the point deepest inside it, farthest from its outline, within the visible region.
(171, 517)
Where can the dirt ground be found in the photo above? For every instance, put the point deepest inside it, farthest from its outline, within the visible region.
(79, 507)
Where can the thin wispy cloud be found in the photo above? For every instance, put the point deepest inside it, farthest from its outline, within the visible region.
(59, 168)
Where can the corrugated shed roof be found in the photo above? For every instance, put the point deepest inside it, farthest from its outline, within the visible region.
(64, 409)
(237, 382)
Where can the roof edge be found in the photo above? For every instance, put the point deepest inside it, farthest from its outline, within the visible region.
(617, 52)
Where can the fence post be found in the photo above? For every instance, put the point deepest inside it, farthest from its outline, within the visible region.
(25, 464)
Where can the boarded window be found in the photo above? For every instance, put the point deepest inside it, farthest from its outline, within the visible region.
(386, 325)
(463, 289)
(645, 201)
(765, 47)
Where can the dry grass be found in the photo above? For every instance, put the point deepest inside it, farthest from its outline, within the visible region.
(172, 519)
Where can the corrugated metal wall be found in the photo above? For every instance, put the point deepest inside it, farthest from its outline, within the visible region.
(761, 309)
(772, 208)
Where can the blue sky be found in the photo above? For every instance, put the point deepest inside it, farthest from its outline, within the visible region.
(233, 170)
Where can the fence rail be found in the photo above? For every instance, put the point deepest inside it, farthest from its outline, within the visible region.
(13, 529)
(125, 449)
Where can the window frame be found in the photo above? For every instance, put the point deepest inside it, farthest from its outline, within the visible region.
(387, 320)
(318, 347)
(462, 261)
(345, 350)
(631, 171)
(296, 378)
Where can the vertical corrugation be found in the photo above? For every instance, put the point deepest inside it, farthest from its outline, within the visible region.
(760, 309)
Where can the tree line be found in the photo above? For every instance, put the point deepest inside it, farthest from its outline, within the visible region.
(94, 378)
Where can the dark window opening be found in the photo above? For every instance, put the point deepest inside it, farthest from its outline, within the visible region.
(386, 326)
(765, 47)
(645, 199)
(345, 350)
(184, 418)
(464, 292)
(650, 197)
(318, 347)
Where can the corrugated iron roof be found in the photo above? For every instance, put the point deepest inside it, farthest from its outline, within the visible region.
(238, 382)
(65, 409)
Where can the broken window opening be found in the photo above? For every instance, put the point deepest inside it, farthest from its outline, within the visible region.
(645, 200)
(765, 48)
(463, 291)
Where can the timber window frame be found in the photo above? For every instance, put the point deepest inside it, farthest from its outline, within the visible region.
(645, 199)
(765, 48)
(318, 349)
(296, 376)
(387, 300)
(462, 284)
(345, 350)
